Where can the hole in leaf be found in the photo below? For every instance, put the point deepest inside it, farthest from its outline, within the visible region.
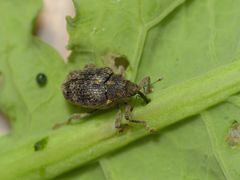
(51, 24)
(119, 63)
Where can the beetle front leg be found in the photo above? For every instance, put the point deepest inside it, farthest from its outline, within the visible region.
(71, 118)
(128, 117)
(118, 119)
(145, 84)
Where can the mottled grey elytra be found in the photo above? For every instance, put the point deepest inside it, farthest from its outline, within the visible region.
(97, 88)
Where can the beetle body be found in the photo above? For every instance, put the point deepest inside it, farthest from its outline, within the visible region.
(97, 88)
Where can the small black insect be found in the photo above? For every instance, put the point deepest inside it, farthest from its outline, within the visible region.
(100, 88)
(41, 79)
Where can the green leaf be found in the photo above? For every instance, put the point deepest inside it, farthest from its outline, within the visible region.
(186, 46)
(172, 154)
(89, 172)
(183, 42)
(226, 155)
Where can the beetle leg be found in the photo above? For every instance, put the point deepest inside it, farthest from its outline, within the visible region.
(145, 84)
(71, 118)
(128, 117)
(118, 120)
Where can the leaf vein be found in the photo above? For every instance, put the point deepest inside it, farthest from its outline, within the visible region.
(205, 116)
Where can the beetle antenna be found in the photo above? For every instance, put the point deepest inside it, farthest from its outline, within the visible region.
(144, 97)
(148, 88)
(158, 80)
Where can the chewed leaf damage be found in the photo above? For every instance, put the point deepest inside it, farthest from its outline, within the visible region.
(233, 137)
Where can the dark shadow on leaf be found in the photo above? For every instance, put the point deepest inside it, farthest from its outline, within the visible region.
(80, 172)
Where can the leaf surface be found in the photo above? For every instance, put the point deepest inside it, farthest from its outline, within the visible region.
(197, 37)
(186, 43)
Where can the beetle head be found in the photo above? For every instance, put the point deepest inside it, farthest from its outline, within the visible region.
(132, 88)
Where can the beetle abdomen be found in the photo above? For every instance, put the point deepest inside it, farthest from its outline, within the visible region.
(86, 88)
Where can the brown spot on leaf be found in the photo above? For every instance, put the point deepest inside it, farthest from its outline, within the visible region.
(233, 137)
(41, 144)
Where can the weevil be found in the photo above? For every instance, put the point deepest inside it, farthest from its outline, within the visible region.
(100, 88)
